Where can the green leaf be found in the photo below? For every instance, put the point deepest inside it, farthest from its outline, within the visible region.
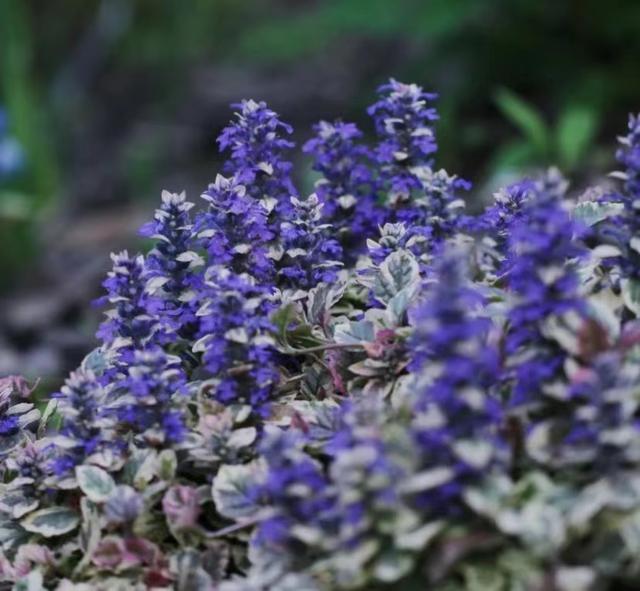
(483, 578)
(509, 157)
(590, 213)
(417, 539)
(48, 413)
(17, 504)
(322, 298)
(631, 295)
(356, 331)
(167, 464)
(300, 336)
(11, 534)
(575, 578)
(54, 521)
(230, 490)
(34, 581)
(10, 442)
(281, 319)
(399, 272)
(426, 480)
(96, 361)
(576, 129)
(392, 565)
(190, 574)
(526, 119)
(95, 483)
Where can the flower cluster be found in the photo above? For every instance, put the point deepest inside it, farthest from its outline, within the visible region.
(545, 287)
(403, 120)
(234, 229)
(347, 188)
(257, 144)
(344, 164)
(146, 401)
(169, 265)
(621, 231)
(132, 322)
(17, 412)
(358, 389)
(629, 156)
(85, 429)
(597, 430)
(455, 366)
(310, 256)
(235, 340)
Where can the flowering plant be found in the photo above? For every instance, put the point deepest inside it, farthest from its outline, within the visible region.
(360, 389)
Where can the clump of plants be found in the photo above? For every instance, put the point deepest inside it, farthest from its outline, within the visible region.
(364, 388)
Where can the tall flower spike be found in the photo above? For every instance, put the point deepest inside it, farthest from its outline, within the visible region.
(257, 144)
(343, 163)
(132, 321)
(294, 488)
(234, 229)
(149, 400)
(347, 188)
(85, 430)
(436, 209)
(507, 207)
(170, 264)
(629, 156)
(623, 231)
(457, 416)
(373, 456)
(310, 255)
(403, 121)
(595, 431)
(540, 274)
(235, 341)
(17, 412)
(30, 466)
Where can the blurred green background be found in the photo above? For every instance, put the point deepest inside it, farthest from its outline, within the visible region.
(113, 100)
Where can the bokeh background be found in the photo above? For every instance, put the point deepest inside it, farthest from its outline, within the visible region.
(106, 102)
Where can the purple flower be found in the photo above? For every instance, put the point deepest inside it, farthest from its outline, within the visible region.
(149, 399)
(132, 322)
(17, 412)
(235, 229)
(345, 167)
(294, 488)
(403, 121)
(85, 428)
(257, 145)
(541, 277)
(456, 367)
(508, 205)
(623, 231)
(435, 210)
(370, 460)
(169, 265)
(347, 188)
(629, 156)
(235, 339)
(310, 254)
(603, 427)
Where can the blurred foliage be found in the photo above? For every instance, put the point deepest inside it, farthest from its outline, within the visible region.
(567, 143)
(23, 199)
(574, 61)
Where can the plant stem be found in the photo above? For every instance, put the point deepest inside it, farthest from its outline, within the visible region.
(320, 348)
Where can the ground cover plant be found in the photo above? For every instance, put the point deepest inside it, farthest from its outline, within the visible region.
(364, 388)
